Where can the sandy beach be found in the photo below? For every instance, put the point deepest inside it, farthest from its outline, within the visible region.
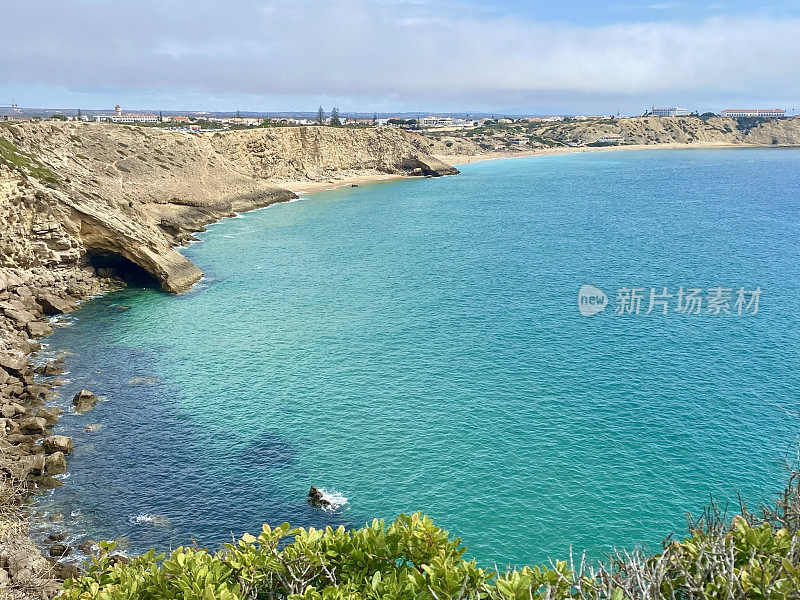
(301, 187)
(463, 159)
(309, 187)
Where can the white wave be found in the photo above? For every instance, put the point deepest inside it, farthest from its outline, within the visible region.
(61, 321)
(154, 520)
(336, 499)
(141, 519)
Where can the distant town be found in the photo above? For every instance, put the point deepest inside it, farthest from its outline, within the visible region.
(447, 133)
(199, 122)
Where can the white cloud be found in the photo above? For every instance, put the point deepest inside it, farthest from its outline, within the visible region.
(389, 49)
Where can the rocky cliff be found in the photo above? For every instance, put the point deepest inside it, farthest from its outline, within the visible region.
(680, 130)
(81, 203)
(73, 193)
(651, 131)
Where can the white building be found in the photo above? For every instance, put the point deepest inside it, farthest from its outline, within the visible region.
(611, 139)
(673, 111)
(118, 117)
(753, 112)
(436, 122)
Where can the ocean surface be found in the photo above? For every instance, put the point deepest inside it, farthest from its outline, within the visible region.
(417, 345)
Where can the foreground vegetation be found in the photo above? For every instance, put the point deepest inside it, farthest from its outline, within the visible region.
(22, 162)
(750, 556)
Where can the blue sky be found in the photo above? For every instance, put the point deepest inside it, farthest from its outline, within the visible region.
(400, 55)
(583, 12)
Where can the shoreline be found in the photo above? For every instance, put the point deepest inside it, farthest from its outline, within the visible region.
(465, 159)
(305, 188)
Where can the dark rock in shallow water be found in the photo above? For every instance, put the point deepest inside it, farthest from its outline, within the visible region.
(51, 369)
(160, 521)
(60, 550)
(48, 483)
(57, 536)
(122, 542)
(84, 401)
(315, 498)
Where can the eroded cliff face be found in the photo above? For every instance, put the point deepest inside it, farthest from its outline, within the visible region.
(651, 131)
(682, 130)
(73, 191)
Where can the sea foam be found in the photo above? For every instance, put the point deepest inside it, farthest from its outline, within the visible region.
(336, 499)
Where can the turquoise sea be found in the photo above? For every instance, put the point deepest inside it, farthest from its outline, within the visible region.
(416, 345)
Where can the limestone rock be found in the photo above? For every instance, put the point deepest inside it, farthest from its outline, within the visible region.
(53, 305)
(48, 483)
(50, 417)
(57, 443)
(38, 329)
(13, 362)
(33, 426)
(55, 464)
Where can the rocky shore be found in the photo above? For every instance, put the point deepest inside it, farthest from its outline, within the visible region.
(85, 207)
(31, 457)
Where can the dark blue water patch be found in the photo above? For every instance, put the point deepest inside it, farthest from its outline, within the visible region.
(148, 464)
(269, 451)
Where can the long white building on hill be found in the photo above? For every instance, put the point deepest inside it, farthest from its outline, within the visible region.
(119, 117)
(753, 112)
(672, 111)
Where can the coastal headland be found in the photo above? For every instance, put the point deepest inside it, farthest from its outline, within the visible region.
(87, 207)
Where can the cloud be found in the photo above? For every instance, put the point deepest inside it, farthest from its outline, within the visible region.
(391, 49)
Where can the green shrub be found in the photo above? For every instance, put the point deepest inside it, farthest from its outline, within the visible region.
(412, 559)
(745, 124)
(25, 164)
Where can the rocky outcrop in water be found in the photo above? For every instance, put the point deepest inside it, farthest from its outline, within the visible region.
(317, 498)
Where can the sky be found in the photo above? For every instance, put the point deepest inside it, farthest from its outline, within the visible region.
(504, 56)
